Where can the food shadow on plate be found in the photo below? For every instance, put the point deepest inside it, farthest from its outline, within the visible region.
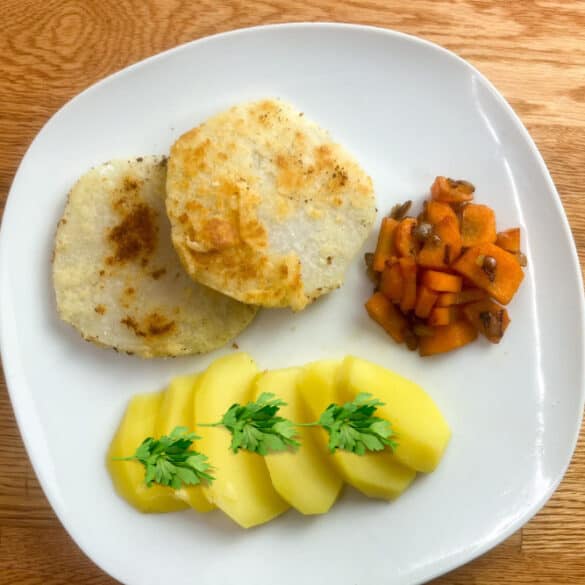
(350, 499)
(218, 523)
(275, 331)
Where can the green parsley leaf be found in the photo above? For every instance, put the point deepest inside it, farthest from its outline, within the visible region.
(169, 461)
(255, 427)
(353, 427)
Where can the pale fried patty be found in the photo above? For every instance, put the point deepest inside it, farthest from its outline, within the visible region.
(118, 279)
(264, 207)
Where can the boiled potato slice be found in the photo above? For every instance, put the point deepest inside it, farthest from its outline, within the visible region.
(176, 410)
(242, 488)
(377, 475)
(306, 478)
(422, 431)
(128, 476)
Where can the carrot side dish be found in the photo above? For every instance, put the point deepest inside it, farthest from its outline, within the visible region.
(441, 278)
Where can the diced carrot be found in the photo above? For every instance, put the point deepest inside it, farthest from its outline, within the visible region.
(437, 211)
(439, 316)
(408, 268)
(439, 214)
(441, 282)
(478, 225)
(444, 315)
(447, 299)
(502, 282)
(385, 246)
(392, 283)
(448, 231)
(381, 310)
(451, 191)
(509, 239)
(404, 240)
(432, 254)
(447, 338)
(444, 246)
(421, 264)
(467, 295)
(425, 301)
(488, 318)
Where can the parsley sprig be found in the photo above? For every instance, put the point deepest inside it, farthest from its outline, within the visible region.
(255, 426)
(353, 427)
(169, 461)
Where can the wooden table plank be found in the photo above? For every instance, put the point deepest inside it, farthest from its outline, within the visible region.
(533, 51)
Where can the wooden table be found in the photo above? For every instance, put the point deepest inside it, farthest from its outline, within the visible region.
(533, 51)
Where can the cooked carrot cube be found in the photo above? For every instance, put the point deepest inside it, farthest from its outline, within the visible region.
(444, 246)
(381, 310)
(451, 191)
(444, 315)
(432, 254)
(509, 239)
(467, 295)
(442, 282)
(478, 225)
(439, 316)
(425, 301)
(404, 241)
(500, 277)
(385, 246)
(447, 338)
(448, 232)
(437, 211)
(392, 282)
(408, 268)
(447, 299)
(488, 318)
(440, 251)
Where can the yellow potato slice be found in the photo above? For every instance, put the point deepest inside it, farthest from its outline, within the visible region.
(242, 488)
(378, 475)
(176, 410)
(306, 478)
(422, 431)
(128, 476)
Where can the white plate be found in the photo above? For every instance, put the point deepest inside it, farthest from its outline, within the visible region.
(409, 110)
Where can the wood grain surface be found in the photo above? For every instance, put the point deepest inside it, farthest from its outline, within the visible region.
(533, 51)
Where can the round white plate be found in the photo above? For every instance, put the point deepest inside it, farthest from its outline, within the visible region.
(409, 110)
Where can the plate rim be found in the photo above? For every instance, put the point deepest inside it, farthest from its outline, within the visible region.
(19, 400)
